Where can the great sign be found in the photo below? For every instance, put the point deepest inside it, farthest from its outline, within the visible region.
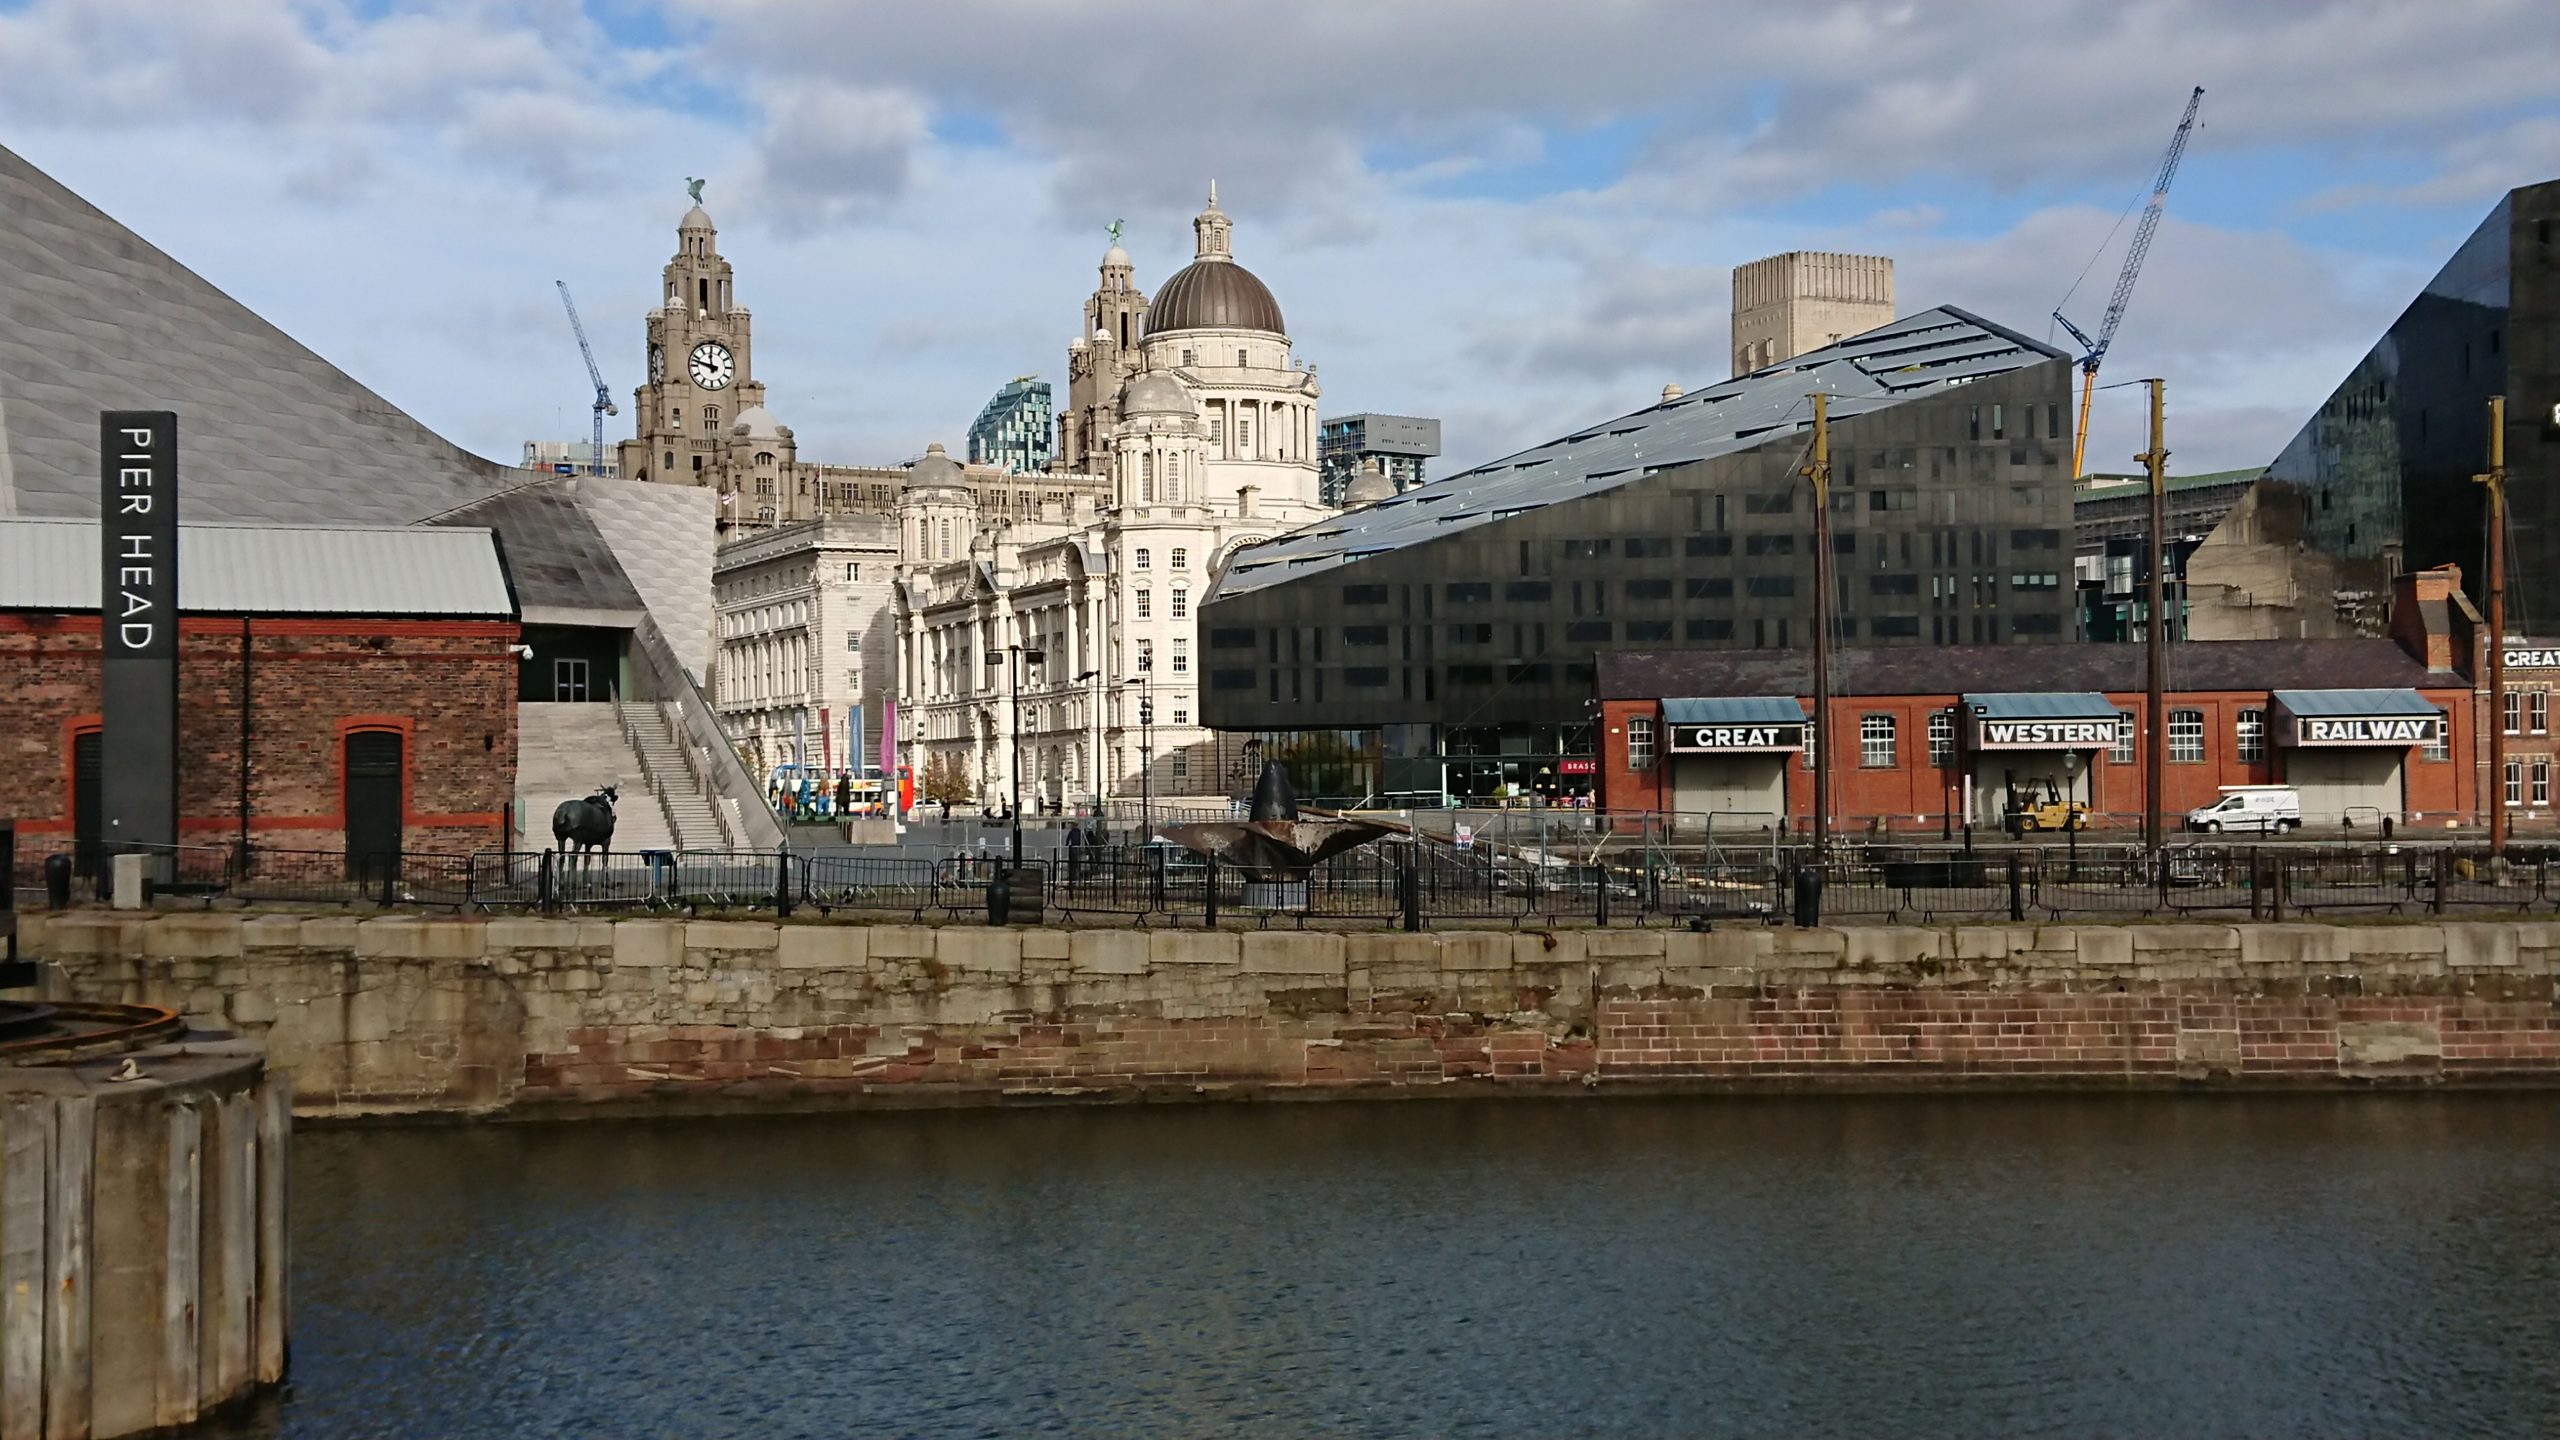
(2370, 730)
(2047, 734)
(2521, 659)
(1691, 738)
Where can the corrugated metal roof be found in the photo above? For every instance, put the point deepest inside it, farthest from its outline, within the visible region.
(2242, 666)
(2354, 702)
(1913, 356)
(448, 571)
(1733, 710)
(2064, 705)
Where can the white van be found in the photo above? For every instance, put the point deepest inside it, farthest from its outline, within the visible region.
(2268, 809)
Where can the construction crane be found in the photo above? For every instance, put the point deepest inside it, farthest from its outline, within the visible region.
(2133, 255)
(604, 397)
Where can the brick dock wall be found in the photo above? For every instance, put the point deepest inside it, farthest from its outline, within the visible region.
(400, 1014)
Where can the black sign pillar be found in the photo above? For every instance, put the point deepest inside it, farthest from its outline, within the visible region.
(138, 627)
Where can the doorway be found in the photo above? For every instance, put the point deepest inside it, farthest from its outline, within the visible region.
(373, 804)
(569, 678)
(86, 767)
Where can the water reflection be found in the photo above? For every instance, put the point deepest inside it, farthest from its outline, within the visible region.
(1827, 1266)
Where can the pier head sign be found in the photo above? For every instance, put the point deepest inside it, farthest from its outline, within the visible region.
(138, 627)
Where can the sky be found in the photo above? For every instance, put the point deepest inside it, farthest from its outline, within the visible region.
(1518, 217)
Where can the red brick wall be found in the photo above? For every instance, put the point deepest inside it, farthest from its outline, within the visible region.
(1911, 794)
(447, 686)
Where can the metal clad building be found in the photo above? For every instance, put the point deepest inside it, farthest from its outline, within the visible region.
(1445, 638)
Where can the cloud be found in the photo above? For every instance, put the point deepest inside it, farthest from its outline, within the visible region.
(831, 154)
(2472, 171)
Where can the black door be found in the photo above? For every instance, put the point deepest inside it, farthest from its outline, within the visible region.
(84, 803)
(373, 804)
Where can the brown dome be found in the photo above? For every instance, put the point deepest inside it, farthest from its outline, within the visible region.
(1214, 295)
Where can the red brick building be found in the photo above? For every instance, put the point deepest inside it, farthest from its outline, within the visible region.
(323, 674)
(1929, 740)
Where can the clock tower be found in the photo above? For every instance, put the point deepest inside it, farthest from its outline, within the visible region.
(701, 375)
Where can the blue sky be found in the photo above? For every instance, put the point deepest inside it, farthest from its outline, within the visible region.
(1519, 217)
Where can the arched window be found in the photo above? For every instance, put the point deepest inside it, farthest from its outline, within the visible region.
(764, 460)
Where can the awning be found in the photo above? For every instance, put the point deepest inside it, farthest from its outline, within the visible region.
(2394, 719)
(2061, 720)
(1734, 724)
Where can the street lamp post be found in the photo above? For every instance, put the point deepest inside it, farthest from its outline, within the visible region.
(1146, 748)
(1019, 661)
(1094, 728)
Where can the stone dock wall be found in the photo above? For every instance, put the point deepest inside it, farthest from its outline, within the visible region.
(400, 1014)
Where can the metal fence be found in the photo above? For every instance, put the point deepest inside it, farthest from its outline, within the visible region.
(1410, 882)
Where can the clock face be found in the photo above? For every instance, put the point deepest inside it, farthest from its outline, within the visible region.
(657, 362)
(710, 366)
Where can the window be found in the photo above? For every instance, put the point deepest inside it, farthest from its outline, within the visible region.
(1181, 656)
(1639, 742)
(2186, 736)
(1649, 630)
(1587, 632)
(1468, 592)
(1470, 634)
(853, 572)
(1231, 637)
(1190, 357)
(1883, 500)
(1531, 591)
(1942, 736)
(1242, 359)
(1364, 634)
(1769, 545)
(1583, 549)
(1707, 546)
(2123, 753)
(1771, 587)
(1905, 583)
(1181, 602)
(1649, 547)
(2541, 782)
(1875, 741)
(1217, 428)
(2440, 744)
(1718, 588)
(2250, 731)
(1710, 629)
(853, 641)
(1181, 764)
(2515, 782)
(1894, 627)
(1146, 656)
(1146, 603)
(1648, 589)
(1769, 502)
(2512, 704)
(1363, 594)
(1230, 679)
(1181, 558)
(2538, 705)
(1144, 558)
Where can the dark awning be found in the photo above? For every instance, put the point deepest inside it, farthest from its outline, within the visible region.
(2392, 719)
(2060, 720)
(1734, 724)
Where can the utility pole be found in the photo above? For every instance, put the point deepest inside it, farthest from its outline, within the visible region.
(2155, 685)
(1819, 472)
(2496, 480)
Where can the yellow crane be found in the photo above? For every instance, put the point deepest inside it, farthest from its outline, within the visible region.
(2095, 351)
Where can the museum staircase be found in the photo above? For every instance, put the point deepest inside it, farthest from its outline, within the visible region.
(566, 751)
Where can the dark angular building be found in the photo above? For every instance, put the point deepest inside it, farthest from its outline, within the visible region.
(1443, 642)
(2381, 475)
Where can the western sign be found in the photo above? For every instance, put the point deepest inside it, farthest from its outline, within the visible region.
(2045, 734)
(1688, 739)
(138, 627)
(2368, 730)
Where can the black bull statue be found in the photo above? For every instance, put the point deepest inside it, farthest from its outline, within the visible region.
(582, 826)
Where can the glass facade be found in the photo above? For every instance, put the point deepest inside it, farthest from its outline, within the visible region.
(1016, 428)
(2383, 471)
(1492, 631)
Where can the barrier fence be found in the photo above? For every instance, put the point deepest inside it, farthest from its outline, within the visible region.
(1414, 883)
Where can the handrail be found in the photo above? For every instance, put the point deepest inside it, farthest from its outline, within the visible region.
(648, 777)
(659, 676)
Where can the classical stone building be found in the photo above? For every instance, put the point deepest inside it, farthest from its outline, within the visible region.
(807, 654)
(1201, 426)
(1804, 300)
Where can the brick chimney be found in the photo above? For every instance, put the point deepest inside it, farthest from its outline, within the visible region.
(2434, 621)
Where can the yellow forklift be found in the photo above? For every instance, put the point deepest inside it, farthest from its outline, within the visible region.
(2027, 811)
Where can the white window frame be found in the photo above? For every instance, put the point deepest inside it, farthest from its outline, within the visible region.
(2127, 732)
(1942, 737)
(2249, 736)
(1640, 751)
(2186, 737)
(1878, 742)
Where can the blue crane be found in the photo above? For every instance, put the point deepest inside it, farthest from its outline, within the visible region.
(2133, 256)
(604, 397)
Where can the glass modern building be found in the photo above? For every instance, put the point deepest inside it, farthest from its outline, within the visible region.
(1016, 428)
(1442, 642)
(2382, 473)
(1398, 443)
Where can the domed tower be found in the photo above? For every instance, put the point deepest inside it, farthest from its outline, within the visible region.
(1215, 325)
(937, 511)
(1101, 359)
(1160, 450)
